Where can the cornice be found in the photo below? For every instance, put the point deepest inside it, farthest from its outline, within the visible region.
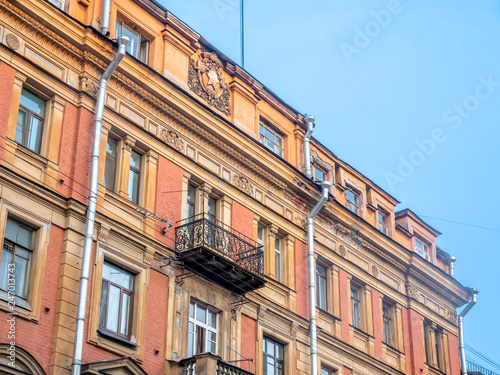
(23, 23)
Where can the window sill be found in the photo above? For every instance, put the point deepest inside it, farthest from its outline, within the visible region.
(329, 314)
(390, 347)
(117, 338)
(22, 308)
(360, 331)
(28, 153)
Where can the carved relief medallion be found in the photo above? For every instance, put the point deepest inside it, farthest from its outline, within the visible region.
(12, 41)
(205, 80)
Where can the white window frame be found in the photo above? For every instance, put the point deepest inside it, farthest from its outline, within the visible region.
(422, 251)
(352, 206)
(277, 149)
(278, 258)
(205, 326)
(383, 225)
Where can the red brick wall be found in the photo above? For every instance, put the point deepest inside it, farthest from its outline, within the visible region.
(156, 317)
(377, 323)
(248, 341)
(7, 75)
(242, 219)
(37, 338)
(417, 349)
(168, 198)
(454, 356)
(347, 371)
(302, 279)
(344, 304)
(77, 137)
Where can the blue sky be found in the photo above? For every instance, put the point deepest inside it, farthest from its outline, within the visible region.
(411, 90)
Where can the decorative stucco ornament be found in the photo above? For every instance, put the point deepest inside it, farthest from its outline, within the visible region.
(205, 80)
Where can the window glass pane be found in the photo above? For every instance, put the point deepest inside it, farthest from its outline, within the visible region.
(134, 40)
(190, 342)
(113, 306)
(22, 118)
(201, 314)
(350, 196)
(269, 135)
(211, 208)
(279, 141)
(135, 160)
(191, 310)
(279, 152)
(33, 102)
(118, 29)
(103, 311)
(279, 351)
(4, 269)
(35, 134)
(24, 237)
(133, 186)
(11, 230)
(144, 50)
(111, 146)
(110, 172)
(21, 276)
(117, 275)
(269, 144)
(261, 129)
(270, 348)
(212, 319)
(125, 314)
(22, 253)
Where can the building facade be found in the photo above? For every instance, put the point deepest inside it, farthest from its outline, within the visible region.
(199, 260)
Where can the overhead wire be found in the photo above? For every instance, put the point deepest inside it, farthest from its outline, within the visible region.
(459, 223)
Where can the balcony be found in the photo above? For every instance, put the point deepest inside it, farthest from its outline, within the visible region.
(220, 254)
(206, 364)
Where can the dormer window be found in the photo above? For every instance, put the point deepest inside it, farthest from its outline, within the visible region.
(422, 249)
(139, 45)
(352, 201)
(382, 223)
(271, 139)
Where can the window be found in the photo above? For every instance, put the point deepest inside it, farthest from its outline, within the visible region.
(321, 300)
(57, 3)
(261, 233)
(116, 300)
(382, 223)
(30, 121)
(273, 357)
(318, 174)
(16, 258)
(191, 201)
(278, 258)
(356, 306)
(139, 45)
(387, 322)
(202, 336)
(422, 249)
(110, 167)
(271, 140)
(327, 371)
(427, 343)
(212, 210)
(134, 177)
(352, 201)
(439, 354)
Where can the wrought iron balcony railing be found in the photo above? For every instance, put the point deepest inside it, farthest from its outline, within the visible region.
(478, 369)
(210, 247)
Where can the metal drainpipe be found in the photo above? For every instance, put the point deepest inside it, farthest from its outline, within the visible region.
(452, 266)
(105, 17)
(325, 185)
(461, 330)
(89, 227)
(307, 149)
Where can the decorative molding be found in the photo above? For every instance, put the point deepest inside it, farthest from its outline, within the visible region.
(148, 255)
(205, 80)
(342, 251)
(128, 143)
(87, 85)
(173, 139)
(261, 313)
(294, 328)
(12, 41)
(243, 184)
(375, 271)
(103, 233)
(315, 159)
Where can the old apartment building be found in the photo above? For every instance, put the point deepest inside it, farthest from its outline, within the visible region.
(199, 260)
